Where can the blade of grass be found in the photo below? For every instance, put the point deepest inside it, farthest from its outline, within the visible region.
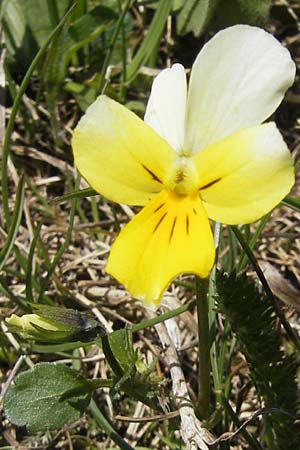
(107, 427)
(124, 59)
(29, 291)
(112, 46)
(254, 444)
(63, 247)
(152, 37)
(14, 111)
(82, 193)
(232, 253)
(243, 261)
(41, 199)
(13, 298)
(14, 225)
(292, 202)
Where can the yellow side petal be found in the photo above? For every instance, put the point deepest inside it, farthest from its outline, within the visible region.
(245, 175)
(171, 235)
(119, 155)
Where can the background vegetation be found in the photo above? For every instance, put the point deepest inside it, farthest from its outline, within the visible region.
(55, 234)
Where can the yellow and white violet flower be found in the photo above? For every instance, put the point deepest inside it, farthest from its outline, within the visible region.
(199, 154)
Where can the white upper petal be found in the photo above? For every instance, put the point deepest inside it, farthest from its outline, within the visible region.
(165, 111)
(237, 81)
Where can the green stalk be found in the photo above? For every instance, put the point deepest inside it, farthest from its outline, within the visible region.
(204, 348)
(162, 317)
(212, 292)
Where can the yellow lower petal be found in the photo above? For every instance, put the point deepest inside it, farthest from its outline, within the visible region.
(245, 175)
(171, 235)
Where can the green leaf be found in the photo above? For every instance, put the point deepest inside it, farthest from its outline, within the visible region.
(41, 399)
(27, 25)
(252, 12)
(131, 374)
(89, 26)
(195, 16)
(120, 342)
(84, 93)
(72, 37)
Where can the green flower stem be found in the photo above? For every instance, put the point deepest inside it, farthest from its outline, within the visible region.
(204, 348)
(212, 292)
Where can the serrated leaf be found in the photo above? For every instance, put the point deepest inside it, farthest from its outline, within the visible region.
(195, 15)
(253, 320)
(40, 398)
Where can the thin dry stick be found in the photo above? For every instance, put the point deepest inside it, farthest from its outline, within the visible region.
(260, 412)
(156, 418)
(11, 376)
(192, 432)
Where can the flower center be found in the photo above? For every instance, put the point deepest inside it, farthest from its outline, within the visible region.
(183, 177)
